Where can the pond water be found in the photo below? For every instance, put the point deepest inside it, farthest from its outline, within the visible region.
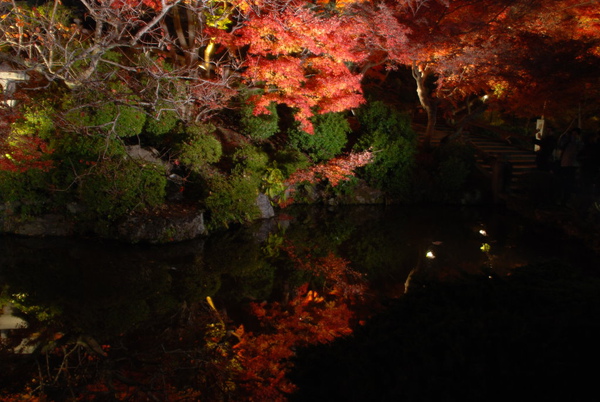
(218, 318)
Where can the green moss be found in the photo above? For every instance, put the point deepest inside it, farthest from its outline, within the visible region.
(117, 187)
(26, 192)
(199, 147)
(232, 200)
(165, 121)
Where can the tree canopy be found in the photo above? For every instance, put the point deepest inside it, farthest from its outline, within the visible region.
(102, 73)
(311, 55)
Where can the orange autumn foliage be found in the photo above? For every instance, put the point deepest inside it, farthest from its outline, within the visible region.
(334, 171)
(310, 317)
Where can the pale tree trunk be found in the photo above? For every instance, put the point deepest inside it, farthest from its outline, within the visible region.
(420, 74)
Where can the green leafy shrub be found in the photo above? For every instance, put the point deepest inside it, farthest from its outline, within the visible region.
(36, 120)
(232, 200)
(117, 187)
(27, 192)
(126, 121)
(453, 173)
(259, 127)
(328, 140)
(389, 134)
(200, 147)
(273, 183)
(111, 113)
(377, 116)
(250, 160)
(73, 147)
(290, 160)
(167, 120)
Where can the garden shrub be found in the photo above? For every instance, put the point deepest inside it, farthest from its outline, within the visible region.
(251, 160)
(290, 160)
(36, 120)
(389, 134)
(200, 147)
(27, 192)
(452, 174)
(377, 116)
(254, 164)
(273, 184)
(259, 127)
(232, 199)
(75, 147)
(104, 113)
(117, 187)
(126, 121)
(166, 120)
(328, 140)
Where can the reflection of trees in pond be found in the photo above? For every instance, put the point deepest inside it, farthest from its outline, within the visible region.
(315, 313)
(195, 351)
(105, 301)
(243, 266)
(529, 336)
(299, 281)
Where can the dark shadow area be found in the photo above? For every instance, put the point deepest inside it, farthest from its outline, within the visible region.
(529, 336)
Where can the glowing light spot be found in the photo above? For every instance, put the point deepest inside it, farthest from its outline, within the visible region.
(430, 255)
(483, 232)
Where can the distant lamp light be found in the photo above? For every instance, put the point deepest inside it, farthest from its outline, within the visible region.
(430, 255)
(482, 232)
(485, 97)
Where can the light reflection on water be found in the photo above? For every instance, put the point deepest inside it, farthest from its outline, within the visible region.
(385, 244)
(102, 288)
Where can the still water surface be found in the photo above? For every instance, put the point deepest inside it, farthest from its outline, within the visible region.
(103, 290)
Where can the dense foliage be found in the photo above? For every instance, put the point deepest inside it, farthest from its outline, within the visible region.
(390, 136)
(328, 139)
(88, 80)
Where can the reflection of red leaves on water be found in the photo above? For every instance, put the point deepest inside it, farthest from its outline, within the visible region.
(335, 271)
(309, 318)
(205, 356)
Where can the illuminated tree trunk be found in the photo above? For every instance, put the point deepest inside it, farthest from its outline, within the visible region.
(420, 74)
(186, 23)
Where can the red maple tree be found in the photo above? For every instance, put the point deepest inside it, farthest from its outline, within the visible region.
(300, 54)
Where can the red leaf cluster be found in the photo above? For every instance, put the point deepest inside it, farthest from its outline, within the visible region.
(23, 153)
(309, 318)
(334, 171)
(299, 57)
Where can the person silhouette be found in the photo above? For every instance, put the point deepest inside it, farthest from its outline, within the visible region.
(544, 155)
(570, 145)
